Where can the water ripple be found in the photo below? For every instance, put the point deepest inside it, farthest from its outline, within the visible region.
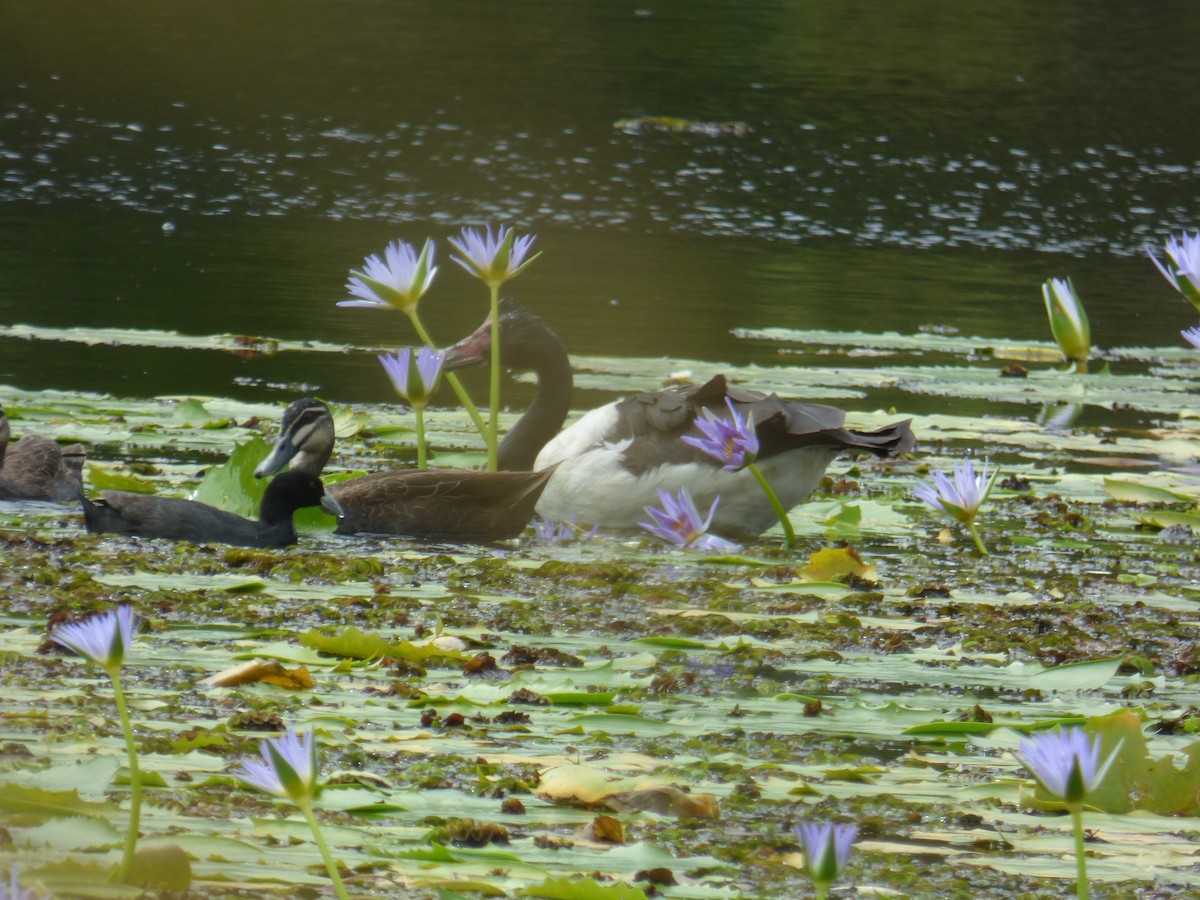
(778, 183)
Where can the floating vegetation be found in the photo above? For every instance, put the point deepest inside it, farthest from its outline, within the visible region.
(676, 125)
(613, 718)
(240, 344)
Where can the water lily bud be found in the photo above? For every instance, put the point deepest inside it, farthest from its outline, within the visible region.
(1068, 321)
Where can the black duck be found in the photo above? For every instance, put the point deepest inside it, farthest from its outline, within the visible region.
(142, 515)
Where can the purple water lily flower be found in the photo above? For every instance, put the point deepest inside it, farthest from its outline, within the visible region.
(11, 889)
(396, 281)
(428, 365)
(1182, 268)
(1066, 762)
(961, 498)
(288, 768)
(733, 441)
(826, 849)
(1192, 336)
(493, 258)
(550, 531)
(679, 522)
(101, 639)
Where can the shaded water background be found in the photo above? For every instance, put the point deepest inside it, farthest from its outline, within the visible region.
(905, 164)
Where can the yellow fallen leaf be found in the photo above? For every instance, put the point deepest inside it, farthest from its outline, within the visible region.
(593, 787)
(837, 564)
(270, 671)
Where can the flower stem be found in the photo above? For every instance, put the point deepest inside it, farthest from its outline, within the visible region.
(420, 411)
(494, 393)
(789, 533)
(821, 888)
(1081, 882)
(330, 865)
(465, 399)
(135, 780)
(978, 540)
(451, 379)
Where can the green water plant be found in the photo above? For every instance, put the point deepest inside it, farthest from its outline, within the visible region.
(734, 442)
(104, 641)
(398, 280)
(1068, 321)
(415, 377)
(1182, 266)
(961, 498)
(826, 848)
(289, 770)
(679, 522)
(493, 258)
(1066, 763)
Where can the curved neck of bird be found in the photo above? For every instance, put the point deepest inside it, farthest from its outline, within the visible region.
(547, 412)
(276, 511)
(5, 434)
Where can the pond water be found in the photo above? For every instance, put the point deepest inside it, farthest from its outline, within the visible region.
(218, 168)
(838, 171)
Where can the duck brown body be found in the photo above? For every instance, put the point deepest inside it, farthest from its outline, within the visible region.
(36, 468)
(446, 504)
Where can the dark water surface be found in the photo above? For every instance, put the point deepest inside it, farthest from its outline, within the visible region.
(902, 165)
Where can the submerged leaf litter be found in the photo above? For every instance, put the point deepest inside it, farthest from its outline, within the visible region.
(484, 712)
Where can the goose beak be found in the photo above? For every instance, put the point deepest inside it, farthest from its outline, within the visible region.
(331, 506)
(471, 350)
(279, 457)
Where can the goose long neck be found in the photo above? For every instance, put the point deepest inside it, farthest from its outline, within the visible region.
(547, 412)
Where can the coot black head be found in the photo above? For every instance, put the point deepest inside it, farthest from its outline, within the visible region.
(293, 490)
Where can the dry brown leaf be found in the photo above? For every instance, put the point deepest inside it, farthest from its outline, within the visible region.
(604, 828)
(594, 787)
(665, 801)
(270, 671)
